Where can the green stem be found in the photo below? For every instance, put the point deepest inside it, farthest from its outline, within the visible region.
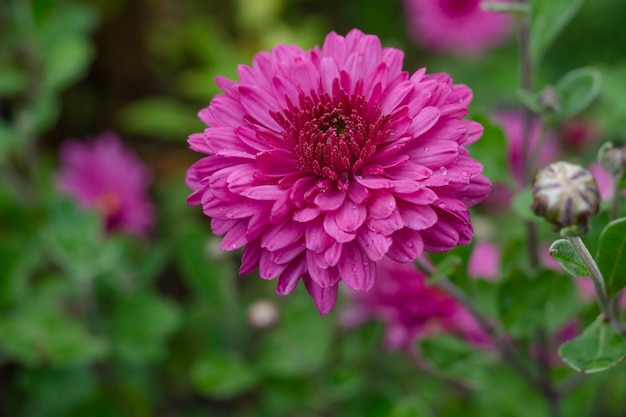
(598, 283)
(615, 204)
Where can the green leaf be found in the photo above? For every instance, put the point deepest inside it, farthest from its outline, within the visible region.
(445, 268)
(141, 327)
(300, 343)
(521, 204)
(455, 358)
(577, 90)
(611, 255)
(548, 18)
(223, 375)
(531, 100)
(490, 149)
(39, 332)
(546, 300)
(598, 348)
(563, 252)
(161, 118)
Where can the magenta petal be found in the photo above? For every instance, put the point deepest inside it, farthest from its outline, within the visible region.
(356, 269)
(335, 230)
(235, 237)
(407, 246)
(324, 277)
(418, 217)
(250, 258)
(323, 297)
(316, 238)
(288, 280)
(330, 199)
(282, 235)
(350, 216)
(333, 254)
(381, 205)
(373, 244)
(257, 103)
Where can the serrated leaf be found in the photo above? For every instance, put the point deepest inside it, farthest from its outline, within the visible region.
(577, 90)
(548, 18)
(598, 348)
(611, 256)
(563, 252)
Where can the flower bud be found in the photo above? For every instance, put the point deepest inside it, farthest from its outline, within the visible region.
(566, 195)
(612, 159)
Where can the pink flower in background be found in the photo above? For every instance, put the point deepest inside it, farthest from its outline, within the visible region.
(512, 125)
(323, 162)
(105, 175)
(458, 26)
(484, 262)
(410, 308)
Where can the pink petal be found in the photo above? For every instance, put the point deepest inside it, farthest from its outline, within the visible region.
(323, 297)
(356, 269)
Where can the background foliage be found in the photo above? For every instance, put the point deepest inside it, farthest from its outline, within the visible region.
(109, 325)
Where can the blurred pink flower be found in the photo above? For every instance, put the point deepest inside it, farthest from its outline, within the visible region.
(458, 26)
(603, 179)
(323, 162)
(105, 175)
(512, 125)
(484, 262)
(410, 308)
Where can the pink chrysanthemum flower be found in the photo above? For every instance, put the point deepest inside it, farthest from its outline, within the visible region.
(109, 177)
(410, 308)
(458, 26)
(323, 162)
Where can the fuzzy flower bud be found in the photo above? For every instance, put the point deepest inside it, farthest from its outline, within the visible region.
(566, 195)
(612, 159)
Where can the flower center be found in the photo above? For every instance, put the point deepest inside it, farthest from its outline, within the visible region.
(334, 137)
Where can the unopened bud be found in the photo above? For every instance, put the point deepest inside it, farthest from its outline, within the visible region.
(612, 159)
(566, 195)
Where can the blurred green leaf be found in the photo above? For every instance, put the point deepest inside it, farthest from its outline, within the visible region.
(548, 18)
(223, 375)
(577, 90)
(611, 256)
(55, 391)
(39, 332)
(598, 348)
(490, 150)
(141, 326)
(547, 300)
(445, 268)
(67, 61)
(563, 252)
(454, 358)
(531, 100)
(521, 203)
(411, 406)
(300, 343)
(161, 118)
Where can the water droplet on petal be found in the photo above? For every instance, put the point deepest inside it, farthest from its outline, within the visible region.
(443, 170)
